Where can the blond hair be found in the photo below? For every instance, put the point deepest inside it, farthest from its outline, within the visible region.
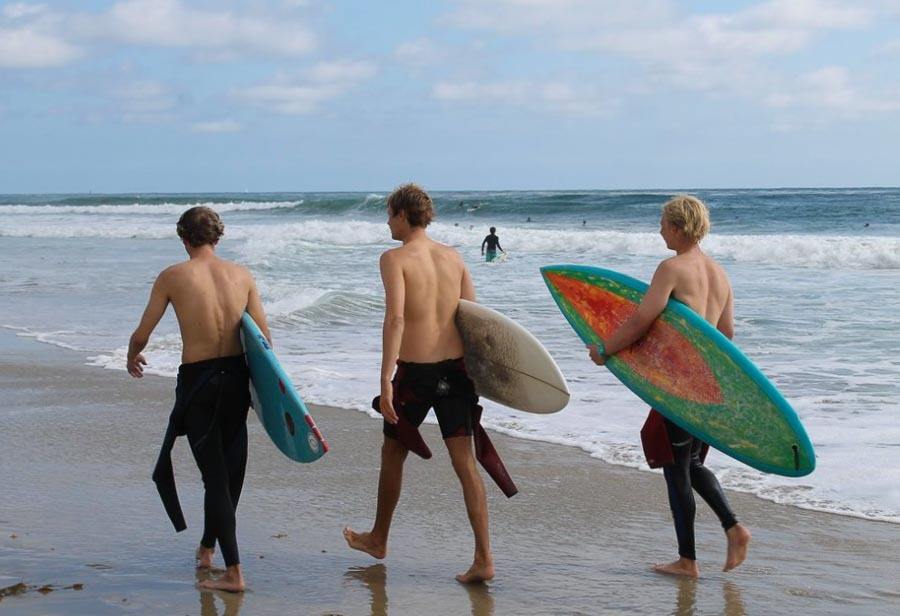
(689, 214)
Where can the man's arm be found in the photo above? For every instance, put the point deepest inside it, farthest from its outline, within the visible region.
(392, 330)
(726, 321)
(483, 242)
(156, 308)
(651, 307)
(467, 287)
(255, 308)
(499, 246)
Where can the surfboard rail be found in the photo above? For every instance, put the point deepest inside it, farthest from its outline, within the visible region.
(279, 407)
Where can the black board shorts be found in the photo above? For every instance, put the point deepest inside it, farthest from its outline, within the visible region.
(444, 386)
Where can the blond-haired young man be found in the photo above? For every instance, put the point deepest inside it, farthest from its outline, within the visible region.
(695, 279)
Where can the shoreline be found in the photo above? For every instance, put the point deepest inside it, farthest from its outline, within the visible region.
(28, 339)
(578, 539)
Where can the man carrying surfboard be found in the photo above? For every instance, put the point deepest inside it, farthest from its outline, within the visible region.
(423, 283)
(697, 280)
(212, 396)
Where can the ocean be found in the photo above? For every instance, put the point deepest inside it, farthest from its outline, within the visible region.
(816, 274)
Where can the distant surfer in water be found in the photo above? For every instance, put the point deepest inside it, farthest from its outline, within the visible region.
(492, 241)
(212, 393)
(423, 283)
(697, 280)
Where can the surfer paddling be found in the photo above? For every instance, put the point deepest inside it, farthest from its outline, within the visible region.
(698, 281)
(423, 283)
(212, 393)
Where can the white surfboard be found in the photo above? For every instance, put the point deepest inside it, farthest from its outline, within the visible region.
(507, 363)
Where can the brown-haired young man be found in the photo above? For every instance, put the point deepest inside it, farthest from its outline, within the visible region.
(423, 283)
(212, 394)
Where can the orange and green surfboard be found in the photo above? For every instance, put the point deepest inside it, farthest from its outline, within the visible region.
(687, 370)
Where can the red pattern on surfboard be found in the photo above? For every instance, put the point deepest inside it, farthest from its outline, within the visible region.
(663, 356)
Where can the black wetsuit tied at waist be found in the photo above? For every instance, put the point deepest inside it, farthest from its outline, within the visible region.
(446, 387)
(210, 390)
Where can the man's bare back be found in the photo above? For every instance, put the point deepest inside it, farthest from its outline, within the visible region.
(210, 296)
(702, 284)
(434, 279)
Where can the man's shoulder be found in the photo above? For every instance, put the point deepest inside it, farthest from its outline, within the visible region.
(173, 271)
(235, 267)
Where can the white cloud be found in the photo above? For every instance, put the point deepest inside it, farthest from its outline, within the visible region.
(145, 102)
(717, 52)
(29, 38)
(419, 53)
(17, 10)
(170, 23)
(891, 48)
(33, 36)
(559, 96)
(28, 47)
(323, 82)
(216, 126)
(830, 88)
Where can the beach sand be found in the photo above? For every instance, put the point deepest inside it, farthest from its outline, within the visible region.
(77, 506)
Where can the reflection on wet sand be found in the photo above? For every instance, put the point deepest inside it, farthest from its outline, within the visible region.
(231, 601)
(734, 600)
(374, 578)
(686, 601)
(481, 599)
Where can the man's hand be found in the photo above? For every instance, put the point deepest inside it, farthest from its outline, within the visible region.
(387, 403)
(135, 365)
(596, 356)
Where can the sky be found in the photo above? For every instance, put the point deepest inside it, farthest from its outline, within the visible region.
(318, 95)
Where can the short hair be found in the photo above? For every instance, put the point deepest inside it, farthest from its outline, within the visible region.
(200, 225)
(493, 229)
(412, 199)
(689, 214)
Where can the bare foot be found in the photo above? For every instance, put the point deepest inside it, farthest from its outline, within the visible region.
(682, 566)
(477, 573)
(738, 542)
(231, 581)
(364, 542)
(204, 557)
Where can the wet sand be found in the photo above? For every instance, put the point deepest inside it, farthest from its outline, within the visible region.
(77, 506)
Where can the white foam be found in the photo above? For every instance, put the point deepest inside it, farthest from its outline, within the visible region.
(800, 250)
(163, 355)
(51, 337)
(148, 208)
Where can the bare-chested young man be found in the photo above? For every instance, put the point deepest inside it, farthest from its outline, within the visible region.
(423, 283)
(212, 393)
(698, 281)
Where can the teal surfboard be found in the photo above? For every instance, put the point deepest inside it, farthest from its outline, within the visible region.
(687, 370)
(277, 404)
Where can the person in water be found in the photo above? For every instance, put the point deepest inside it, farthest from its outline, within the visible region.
(698, 281)
(423, 284)
(492, 241)
(212, 393)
